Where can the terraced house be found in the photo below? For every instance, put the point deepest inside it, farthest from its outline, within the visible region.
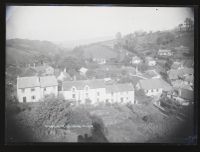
(33, 89)
(95, 91)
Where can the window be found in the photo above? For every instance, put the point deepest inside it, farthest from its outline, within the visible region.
(112, 93)
(32, 89)
(24, 99)
(73, 96)
(97, 99)
(33, 97)
(98, 93)
(122, 99)
(45, 89)
(23, 90)
(73, 89)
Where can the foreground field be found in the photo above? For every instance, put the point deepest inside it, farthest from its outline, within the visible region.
(62, 122)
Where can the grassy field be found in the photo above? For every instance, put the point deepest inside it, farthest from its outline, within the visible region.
(123, 123)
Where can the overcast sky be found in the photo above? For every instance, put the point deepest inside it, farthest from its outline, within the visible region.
(66, 23)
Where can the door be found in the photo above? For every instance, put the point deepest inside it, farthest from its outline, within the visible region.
(24, 99)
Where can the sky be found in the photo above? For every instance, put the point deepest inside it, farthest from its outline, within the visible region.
(68, 23)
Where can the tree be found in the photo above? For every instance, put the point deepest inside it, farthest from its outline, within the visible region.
(180, 27)
(168, 64)
(142, 67)
(118, 36)
(188, 24)
(165, 38)
(119, 41)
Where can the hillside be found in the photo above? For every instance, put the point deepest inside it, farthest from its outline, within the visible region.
(23, 51)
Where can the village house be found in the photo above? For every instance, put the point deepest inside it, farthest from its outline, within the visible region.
(189, 80)
(44, 69)
(183, 96)
(33, 89)
(153, 87)
(181, 84)
(120, 93)
(63, 76)
(136, 60)
(150, 61)
(182, 49)
(83, 71)
(175, 74)
(99, 60)
(177, 65)
(165, 52)
(97, 91)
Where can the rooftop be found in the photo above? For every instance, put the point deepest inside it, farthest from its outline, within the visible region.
(80, 84)
(46, 81)
(187, 94)
(148, 84)
(28, 82)
(119, 87)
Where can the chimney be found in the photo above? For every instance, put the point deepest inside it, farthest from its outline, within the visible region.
(33, 65)
(64, 70)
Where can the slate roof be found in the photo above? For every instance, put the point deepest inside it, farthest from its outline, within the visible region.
(188, 63)
(28, 82)
(56, 72)
(119, 87)
(151, 74)
(46, 81)
(189, 78)
(80, 84)
(149, 84)
(187, 94)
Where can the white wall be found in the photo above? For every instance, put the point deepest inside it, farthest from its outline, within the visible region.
(49, 90)
(28, 94)
(153, 92)
(92, 95)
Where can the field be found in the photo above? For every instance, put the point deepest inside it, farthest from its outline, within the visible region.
(122, 123)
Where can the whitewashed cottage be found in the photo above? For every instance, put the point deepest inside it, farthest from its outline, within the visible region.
(33, 89)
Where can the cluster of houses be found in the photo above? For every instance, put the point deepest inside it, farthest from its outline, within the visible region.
(33, 89)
